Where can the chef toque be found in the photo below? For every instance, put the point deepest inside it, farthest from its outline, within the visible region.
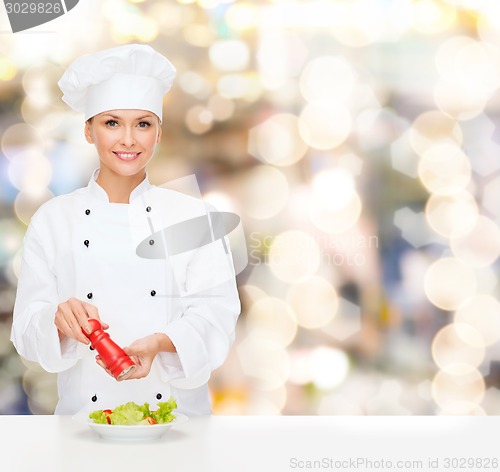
(133, 76)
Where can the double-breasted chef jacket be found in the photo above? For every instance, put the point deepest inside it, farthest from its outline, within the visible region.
(81, 245)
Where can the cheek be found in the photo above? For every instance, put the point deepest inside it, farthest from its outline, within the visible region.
(102, 140)
(150, 141)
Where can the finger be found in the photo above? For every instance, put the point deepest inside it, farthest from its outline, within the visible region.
(93, 312)
(128, 375)
(136, 349)
(75, 330)
(63, 326)
(132, 352)
(81, 315)
(142, 369)
(138, 373)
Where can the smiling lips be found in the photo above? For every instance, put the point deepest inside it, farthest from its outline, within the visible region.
(126, 156)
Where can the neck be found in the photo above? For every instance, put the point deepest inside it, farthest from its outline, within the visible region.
(119, 187)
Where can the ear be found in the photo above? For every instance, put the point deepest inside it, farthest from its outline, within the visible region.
(158, 136)
(88, 132)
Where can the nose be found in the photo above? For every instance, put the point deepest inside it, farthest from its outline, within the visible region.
(128, 136)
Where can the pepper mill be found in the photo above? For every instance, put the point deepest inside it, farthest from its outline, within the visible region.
(112, 355)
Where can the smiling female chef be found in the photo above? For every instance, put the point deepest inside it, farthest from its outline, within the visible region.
(175, 316)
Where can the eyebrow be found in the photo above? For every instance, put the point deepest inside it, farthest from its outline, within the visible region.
(121, 118)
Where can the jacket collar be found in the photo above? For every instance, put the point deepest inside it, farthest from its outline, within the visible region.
(100, 194)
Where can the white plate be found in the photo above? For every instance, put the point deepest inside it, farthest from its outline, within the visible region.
(129, 432)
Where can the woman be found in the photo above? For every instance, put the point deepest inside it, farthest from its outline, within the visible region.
(174, 313)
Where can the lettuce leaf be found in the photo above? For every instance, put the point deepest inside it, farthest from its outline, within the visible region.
(130, 413)
(164, 412)
(99, 417)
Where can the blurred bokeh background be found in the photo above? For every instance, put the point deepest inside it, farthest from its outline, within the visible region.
(357, 140)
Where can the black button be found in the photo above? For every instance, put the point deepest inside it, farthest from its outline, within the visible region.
(151, 242)
(148, 209)
(94, 398)
(89, 295)
(91, 348)
(158, 396)
(153, 293)
(86, 242)
(87, 211)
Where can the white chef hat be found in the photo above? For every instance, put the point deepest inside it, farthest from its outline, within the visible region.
(133, 76)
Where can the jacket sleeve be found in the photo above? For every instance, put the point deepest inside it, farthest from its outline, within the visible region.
(205, 333)
(34, 333)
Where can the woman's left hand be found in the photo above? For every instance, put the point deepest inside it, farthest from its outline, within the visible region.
(142, 352)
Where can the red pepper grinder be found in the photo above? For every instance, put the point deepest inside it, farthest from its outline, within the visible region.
(111, 354)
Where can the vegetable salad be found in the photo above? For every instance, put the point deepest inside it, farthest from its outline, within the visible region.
(133, 414)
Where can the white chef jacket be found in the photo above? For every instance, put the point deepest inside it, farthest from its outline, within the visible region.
(81, 245)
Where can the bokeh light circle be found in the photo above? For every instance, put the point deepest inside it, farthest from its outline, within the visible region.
(458, 100)
(458, 348)
(430, 17)
(273, 319)
(483, 313)
(242, 16)
(448, 283)
(325, 125)
(314, 301)
(278, 140)
(264, 360)
(229, 55)
(265, 193)
(221, 108)
(359, 23)
(448, 389)
(469, 63)
(327, 78)
(433, 127)
(26, 204)
(333, 189)
(294, 256)
(334, 222)
(444, 169)
(480, 247)
(452, 216)
(488, 23)
(16, 139)
(328, 366)
(199, 119)
(30, 172)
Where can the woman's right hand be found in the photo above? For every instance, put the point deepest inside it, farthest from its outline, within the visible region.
(71, 318)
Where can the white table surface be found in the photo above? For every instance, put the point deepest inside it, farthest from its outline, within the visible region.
(257, 444)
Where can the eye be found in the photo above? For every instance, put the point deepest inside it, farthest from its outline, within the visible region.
(112, 123)
(144, 124)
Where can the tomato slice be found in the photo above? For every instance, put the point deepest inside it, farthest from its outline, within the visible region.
(107, 413)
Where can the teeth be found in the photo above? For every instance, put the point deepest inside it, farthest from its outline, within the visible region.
(126, 155)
